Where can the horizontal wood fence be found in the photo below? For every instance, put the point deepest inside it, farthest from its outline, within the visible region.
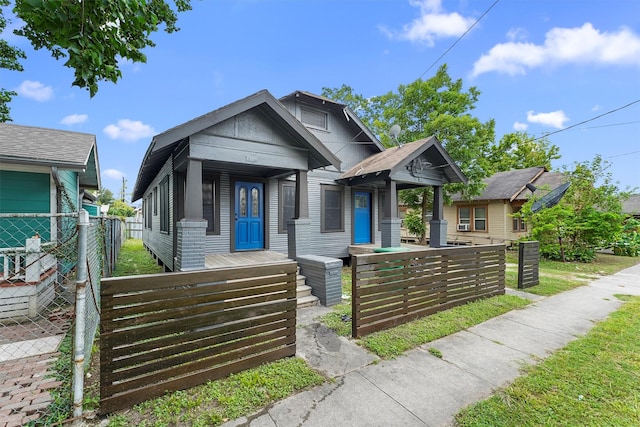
(167, 332)
(528, 264)
(389, 289)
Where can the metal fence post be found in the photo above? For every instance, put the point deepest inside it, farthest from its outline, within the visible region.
(81, 294)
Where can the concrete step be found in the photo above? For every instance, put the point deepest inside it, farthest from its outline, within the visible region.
(303, 291)
(301, 280)
(308, 301)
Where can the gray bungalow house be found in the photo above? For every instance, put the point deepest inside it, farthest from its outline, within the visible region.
(300, 175)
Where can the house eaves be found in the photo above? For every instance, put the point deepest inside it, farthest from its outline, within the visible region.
(35, 146)
(162, 145)
(394, 161)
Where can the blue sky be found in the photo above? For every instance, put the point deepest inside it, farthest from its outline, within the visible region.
(541, 66)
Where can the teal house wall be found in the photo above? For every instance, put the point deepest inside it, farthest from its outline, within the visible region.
(14, 186)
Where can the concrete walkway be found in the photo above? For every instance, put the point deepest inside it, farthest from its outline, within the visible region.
(418, 389)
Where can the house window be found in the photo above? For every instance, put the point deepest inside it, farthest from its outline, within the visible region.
(518, 223)
(473, 217)
(211, 204)
(164, 204)
(314, 118)
(332, 208)
(287, 200)
(147, 211)
(155, 201)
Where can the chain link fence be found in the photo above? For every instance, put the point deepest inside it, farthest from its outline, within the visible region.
(50, 270)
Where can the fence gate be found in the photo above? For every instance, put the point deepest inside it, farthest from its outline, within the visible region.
(528, 263)
(166, 332)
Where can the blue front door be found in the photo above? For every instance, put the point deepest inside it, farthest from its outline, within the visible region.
(362, 217)
(249, 215)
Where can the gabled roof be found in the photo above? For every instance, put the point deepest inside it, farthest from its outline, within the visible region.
(393, 161)
(511, 185)
(631, 206)
(363, 133)
(37, 146)
(163, 144)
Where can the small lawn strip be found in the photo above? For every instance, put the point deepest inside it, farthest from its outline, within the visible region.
(593, 381)
(217, 402)
(134, 260)
(395, 341)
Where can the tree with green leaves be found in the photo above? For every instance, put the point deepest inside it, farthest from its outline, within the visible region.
(105, 197)
(519, 150)
(587, 218)
(120, 208)
(10, 57)
(437, 106)
(93, 36)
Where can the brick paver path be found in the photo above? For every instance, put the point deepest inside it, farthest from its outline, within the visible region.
(24, 389)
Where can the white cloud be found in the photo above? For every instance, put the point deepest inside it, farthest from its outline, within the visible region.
(520, 127)
(555, 119)
(596, 108)
(129, 130)
(113, 173)
(432, 24)
(35, 90)
(74, 119)
(583, 45)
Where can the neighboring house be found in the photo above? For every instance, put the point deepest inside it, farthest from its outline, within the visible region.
(299, 175)
(43, 172)
(631, 206)
(488, 218)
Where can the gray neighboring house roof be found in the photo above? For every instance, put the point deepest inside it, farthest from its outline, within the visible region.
(162, 145)
(37, 146)
(511, 185)
(631, 206)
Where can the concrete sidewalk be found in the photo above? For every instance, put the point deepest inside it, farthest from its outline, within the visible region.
(418, 389)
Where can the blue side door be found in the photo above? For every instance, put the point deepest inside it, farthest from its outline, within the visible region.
(249, 215)
(362, 217)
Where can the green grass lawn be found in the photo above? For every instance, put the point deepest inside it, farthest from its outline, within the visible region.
(134, 260)
(593, 381)
(395, 341)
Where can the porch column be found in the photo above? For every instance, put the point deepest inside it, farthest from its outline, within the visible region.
(438, 225)
(192, 229)
(390, 224)
(298, 229)
(193, 193)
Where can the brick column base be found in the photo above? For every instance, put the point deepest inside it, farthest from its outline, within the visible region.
(190, 250)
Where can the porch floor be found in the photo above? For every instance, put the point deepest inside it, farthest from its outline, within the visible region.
(368, 249)
(241, 259)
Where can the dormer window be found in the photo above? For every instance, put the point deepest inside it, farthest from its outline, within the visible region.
(314, 118)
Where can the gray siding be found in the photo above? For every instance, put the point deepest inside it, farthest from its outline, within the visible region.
(161, 243)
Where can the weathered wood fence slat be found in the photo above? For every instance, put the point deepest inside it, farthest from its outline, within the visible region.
(528, 264)
(389, 289)
(167, 332)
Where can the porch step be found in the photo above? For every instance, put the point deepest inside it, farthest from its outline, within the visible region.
(303, 294)
(308, 301)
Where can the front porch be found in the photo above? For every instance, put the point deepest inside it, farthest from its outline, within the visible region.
(242, 259)
(260, 258)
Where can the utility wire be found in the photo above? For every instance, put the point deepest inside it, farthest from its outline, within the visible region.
(459, 38)
(588, 120)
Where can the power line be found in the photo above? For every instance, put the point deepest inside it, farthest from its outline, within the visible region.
(623, 154)
(459, 38)
(588, 120)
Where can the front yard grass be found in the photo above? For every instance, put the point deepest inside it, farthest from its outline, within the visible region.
(395, 341)
(593, 381)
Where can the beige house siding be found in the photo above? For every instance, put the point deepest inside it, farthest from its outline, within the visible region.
(499, 224)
